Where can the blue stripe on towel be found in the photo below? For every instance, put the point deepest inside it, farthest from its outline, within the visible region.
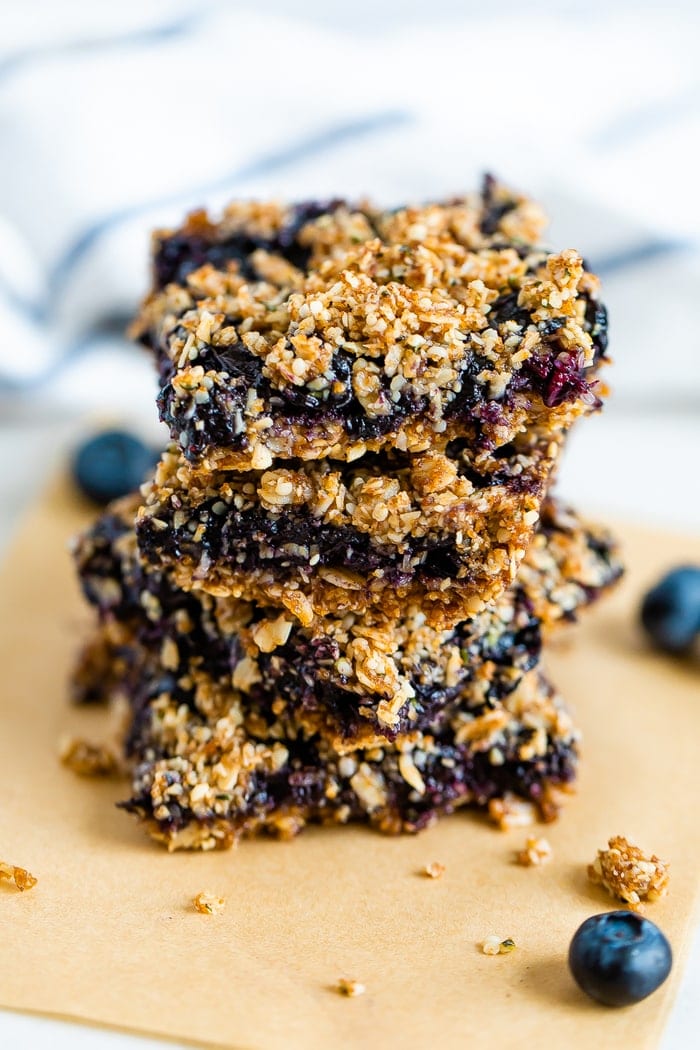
(19, 303)
(648, 119)
(637, 254)
(149, 35)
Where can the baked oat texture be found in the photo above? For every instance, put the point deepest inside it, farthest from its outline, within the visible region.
(321, 537)
(628, 873)
(359, 676)
(204, 781)
(88, 759)
(328, 330)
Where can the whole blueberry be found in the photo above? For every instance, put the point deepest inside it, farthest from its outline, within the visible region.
(111, 465)
(619, 958)
(671, 610)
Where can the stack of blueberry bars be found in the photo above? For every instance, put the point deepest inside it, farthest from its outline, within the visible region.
(329, 602)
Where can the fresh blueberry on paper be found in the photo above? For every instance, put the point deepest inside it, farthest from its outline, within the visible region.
(619, 958)
(112, 464)
(671, 610)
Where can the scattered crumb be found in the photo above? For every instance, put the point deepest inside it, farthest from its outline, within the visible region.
(553, 797)
(629, 874)
(495, 946)
(209, 903)
(350, 989)
(434, 870)
(536, 852)
(88, 760)
(512, 812)
(20, 876)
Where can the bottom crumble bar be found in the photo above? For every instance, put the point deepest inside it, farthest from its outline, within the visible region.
(203, 783)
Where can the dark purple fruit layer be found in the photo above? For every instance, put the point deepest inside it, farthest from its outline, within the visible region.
(254, 538)
(180, 254)
(215, 422)
(302, 670)
(247, 541)
(556, 376)
(468, 776)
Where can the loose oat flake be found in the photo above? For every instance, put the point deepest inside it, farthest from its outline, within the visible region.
(434, 870)
(22, 879)
(88, 760)
(350, 989)
(495, 946)
(537, 851)
(209, 903)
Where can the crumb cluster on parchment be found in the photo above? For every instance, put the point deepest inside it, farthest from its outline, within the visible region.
(209, 903)
(628, 873)
(350, 988)
(88, 760)
(20, 877)
(494, 945)
(537, 851)
(434, 870)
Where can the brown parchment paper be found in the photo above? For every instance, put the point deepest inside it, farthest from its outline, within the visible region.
(109, 934)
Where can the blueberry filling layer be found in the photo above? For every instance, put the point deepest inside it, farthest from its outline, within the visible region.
(218, 420)
(452, 775)
(253, 540)
(556, 377)
(182, 253)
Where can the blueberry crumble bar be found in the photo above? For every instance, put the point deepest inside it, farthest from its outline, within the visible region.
(356, 676)
(323, 537)
(329, 602)
(210, 765)
(327, 330)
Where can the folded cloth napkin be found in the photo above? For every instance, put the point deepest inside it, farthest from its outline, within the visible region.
(118, 118)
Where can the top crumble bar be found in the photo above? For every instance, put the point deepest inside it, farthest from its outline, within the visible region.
(325, 330)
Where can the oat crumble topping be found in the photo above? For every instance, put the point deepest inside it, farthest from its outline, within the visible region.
(537, 851)
(88, 760)
(628, 873)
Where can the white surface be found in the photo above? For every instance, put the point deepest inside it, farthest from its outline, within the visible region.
(595, 107)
